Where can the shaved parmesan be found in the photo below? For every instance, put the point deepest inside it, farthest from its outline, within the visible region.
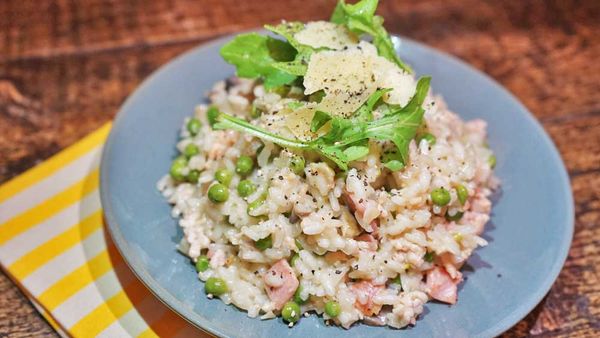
(298, 121)
(326, 34)
(345, 76)
(389, 75)
(350, 76)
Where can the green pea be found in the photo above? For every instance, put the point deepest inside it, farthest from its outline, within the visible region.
(223, 176)
(190, 150)
(297, 298)
(218, 193)
(457, 216)
(428, 257)
(256, 203)
(202, 264)
(293, 260)
(462, 193)
(264, 243)
(244, 165)
(178, 168)
(297, 164)
(492, 161)
(429, 138)
(193, 176)
(291, 312)
(332, 309)
(215, 286)
(193, 126)
(212, 114)
(245, 188)
(440, 196)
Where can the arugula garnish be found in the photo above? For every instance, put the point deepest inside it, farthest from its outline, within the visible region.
(319, 120)
(299, 64)
(253, 55)
(360, 18)
(347, 140)
(280, 62)
(365, 112)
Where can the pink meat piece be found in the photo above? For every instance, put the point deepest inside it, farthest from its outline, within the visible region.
(358, 207)
(365, 291)
(441, 286)
(281, 294)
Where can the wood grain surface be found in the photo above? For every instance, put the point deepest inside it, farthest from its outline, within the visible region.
(67, 65)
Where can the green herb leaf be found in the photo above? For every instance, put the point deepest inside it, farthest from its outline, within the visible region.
(401, 126)
(347, 140)
(280, 50)
(365, 112)
(295, 105)
(225, 121)
(252, 57)
(354, 153)
(318, 120)
(361, 19)
(288, 30)
(394, 165)
(299, 64)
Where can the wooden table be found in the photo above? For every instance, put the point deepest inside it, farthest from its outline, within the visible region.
(66, 66)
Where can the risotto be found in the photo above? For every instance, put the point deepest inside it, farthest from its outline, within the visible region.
(325, 178)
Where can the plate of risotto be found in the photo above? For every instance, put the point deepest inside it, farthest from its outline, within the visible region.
(326, 178)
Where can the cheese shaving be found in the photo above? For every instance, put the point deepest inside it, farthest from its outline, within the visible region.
(298, 121)
(326, 34)
(345, 76)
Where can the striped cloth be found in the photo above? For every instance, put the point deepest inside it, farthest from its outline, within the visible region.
(54, 245)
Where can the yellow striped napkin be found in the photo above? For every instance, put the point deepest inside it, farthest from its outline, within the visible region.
(53, 244)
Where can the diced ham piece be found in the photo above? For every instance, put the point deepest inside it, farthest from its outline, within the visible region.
(441, 286)
(373, 243)
(284, 290)
(365, 291)
(365, 211)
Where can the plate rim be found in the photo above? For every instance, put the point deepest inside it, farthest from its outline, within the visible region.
(174, 304)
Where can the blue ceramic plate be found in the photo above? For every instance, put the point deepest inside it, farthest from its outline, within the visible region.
(529, 234)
